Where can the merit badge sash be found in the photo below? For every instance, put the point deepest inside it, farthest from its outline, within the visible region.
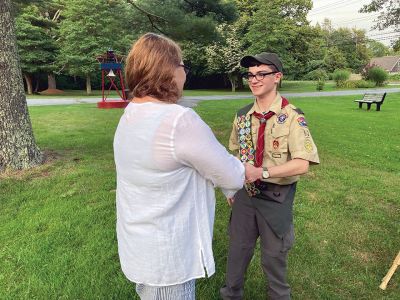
(246, 148)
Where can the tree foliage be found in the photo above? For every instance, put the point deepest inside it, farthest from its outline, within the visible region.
(389, 13)
(281, 26)
(224, 56)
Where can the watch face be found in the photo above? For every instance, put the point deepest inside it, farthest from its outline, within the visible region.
(265, 174)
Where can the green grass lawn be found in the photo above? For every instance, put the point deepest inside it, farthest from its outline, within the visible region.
(287, 86)
(57, 222)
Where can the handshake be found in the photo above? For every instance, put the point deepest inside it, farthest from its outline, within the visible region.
(252, 174)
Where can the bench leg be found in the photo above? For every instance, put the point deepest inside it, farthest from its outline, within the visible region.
(378, 106)
(368, 106)
(359, 104)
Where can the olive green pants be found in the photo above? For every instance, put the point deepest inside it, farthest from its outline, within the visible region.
(245, 227)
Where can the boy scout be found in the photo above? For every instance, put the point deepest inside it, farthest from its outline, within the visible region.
(272, 138)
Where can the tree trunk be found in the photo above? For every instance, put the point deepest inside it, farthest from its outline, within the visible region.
(51, 81)
(232, 79)
(18, 149)
(36, 86)
(28, 80)
(240, 83)
(88, 85)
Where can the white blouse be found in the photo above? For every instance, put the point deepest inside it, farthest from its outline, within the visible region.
(168, 162)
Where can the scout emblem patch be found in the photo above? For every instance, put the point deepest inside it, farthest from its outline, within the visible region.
(275, 144)
(302, 122)
(308, 145)
(281, 118)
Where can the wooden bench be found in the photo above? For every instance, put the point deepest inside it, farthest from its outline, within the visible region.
(372, 99)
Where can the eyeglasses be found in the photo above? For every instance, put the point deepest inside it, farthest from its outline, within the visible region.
(185, 68)
(259, 76)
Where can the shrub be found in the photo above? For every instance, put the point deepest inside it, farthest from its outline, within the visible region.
(320, 85)
(395, 77)
(340, 77)
(318, 74)
(378, 75)
(350, 84)
(364, 84)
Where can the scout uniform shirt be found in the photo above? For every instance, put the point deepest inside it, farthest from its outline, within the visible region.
(286, 137)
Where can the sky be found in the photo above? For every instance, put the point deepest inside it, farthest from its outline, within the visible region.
(344, 13)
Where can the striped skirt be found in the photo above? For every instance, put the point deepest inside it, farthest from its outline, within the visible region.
(183, 291)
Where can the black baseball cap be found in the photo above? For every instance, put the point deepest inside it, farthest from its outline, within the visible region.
(263, 58)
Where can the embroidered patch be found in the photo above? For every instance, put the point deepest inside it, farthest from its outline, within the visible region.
(276, 155)
(302, 122)
(243, 157)
(247, 123)
(275, 144)
(306, 133)
(308, 145)
(282, 118)
(250, 157)
(243, 151)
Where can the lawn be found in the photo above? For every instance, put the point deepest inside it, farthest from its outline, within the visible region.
(287, 86)
(57, 222)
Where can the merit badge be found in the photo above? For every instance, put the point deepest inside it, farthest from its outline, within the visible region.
(275, 144)
(242, 138)
(242, 131)
(251, 157)
(282, 118)
(247, 123)
(247, 130)
(241, 124)
(302, 122)
(243, 151)
(308, 145)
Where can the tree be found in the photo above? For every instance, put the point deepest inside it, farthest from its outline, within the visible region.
(281, 26)
(224, 56)
(89, 29)
(389, 13)
(18, 149)
(377, 49)
(334, 59)
(184, 20)
(36, 47)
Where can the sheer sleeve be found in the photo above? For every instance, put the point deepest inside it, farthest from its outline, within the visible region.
(196, 146)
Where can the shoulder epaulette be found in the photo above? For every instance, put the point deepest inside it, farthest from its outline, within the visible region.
(298, 110)
(244, 110)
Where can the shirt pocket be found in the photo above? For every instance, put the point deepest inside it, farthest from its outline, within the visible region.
(279, 140)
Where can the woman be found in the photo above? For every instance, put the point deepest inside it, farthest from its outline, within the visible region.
(168, 162)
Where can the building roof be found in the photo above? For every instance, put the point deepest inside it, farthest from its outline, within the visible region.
(386, 62)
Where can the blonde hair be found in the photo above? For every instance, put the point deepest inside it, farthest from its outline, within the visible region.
(150, 68)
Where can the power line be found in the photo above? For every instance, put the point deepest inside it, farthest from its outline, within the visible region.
(322, 9)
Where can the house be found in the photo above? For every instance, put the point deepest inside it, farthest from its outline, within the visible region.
(389, 63)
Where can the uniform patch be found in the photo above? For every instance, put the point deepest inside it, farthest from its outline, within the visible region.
(276, 155)
(250, 157)
(306, 132)
(302, 122)
(275, 144)
(308, 145)
(282, 118)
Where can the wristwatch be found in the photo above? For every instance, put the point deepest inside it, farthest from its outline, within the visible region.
(265, 173)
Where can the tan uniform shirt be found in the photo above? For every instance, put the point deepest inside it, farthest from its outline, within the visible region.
(286, 137)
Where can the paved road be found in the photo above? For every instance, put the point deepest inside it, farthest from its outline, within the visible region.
(191, 101)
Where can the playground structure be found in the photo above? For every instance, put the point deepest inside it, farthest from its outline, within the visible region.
(112, 79)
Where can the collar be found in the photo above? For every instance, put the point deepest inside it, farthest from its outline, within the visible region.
(276, 106)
